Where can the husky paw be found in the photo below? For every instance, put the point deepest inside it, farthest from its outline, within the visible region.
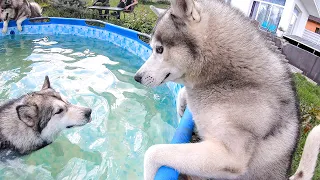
(298, 176)
(181, 102)
(150, 167)
(19, 28)
(4, 31)
(293, 178)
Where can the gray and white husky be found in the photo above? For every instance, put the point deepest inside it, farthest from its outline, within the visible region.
(18, 10)
(239, 91)
(33, 120)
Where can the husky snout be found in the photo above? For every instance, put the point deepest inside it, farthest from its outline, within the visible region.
(153, 77)
(87, 114)
(138, 78)
(156, 72)
(77, 116)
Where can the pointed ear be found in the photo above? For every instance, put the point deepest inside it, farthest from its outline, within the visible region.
(157, 11)
(185, 9)
(46, 84)
(27, 114)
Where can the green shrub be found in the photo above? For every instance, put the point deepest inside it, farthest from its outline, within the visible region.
(69, 13)
(310, 116)
(67, 8)
(142, 22)
(70, 4)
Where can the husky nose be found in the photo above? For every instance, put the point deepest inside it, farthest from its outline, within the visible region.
(88, 113)
(138, 78)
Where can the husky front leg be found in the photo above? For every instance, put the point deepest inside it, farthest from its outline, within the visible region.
(5, 26)
(182, 101)
(19, 22)
(206, 159)
(309, 157)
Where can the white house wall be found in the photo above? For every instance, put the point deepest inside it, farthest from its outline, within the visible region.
(302, 21)
(245, 7)
(288, 13)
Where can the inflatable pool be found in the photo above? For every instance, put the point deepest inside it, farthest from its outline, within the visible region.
(121, 37)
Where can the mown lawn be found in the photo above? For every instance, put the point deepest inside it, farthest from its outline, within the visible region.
(309, 96)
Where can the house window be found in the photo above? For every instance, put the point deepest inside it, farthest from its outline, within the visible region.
(267, 13)
(254, 9)
(317, 30)
(296, 11)
(279, 2)
(294, 20)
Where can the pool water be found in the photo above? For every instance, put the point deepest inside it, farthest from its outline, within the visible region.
(127, 117)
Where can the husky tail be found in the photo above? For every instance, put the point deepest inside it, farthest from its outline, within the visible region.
(309, 156)
(36, 10)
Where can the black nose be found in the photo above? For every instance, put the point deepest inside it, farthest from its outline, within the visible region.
(88, 113)
(137, 78)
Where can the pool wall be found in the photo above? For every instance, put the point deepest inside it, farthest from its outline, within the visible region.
(125, 38)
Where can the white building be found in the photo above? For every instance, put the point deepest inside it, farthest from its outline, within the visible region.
(290, 15)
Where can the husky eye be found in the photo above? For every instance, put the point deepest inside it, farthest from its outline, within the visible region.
(59, 111)
(159, 49)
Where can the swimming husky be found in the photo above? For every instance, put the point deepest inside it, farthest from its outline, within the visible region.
(33, 120)
(239, 91)
(18, 10)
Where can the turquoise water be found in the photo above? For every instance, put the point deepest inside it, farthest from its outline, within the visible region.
(127, 117)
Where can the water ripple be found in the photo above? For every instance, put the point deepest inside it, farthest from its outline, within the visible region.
(127, 117)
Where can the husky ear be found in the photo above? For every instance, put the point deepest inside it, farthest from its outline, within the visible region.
(157, 11)
(28, 114)
(46, 84)
(185, 9)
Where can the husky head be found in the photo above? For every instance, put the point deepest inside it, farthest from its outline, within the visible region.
(197, 43)
(47, 112)
(7, 12)
(174, 48)
(4, 4)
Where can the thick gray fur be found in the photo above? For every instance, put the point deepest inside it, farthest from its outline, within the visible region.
(32, 121)
(18, 10)
(239, 90)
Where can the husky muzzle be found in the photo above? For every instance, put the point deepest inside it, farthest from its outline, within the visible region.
(7, 16)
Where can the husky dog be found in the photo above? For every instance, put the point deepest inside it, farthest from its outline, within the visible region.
(18, 10)
(33, 120)
(238, 89)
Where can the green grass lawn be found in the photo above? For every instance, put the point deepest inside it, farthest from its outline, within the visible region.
(308, 92)
(309, 96)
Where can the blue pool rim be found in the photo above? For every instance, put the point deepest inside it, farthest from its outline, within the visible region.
(108, 32)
